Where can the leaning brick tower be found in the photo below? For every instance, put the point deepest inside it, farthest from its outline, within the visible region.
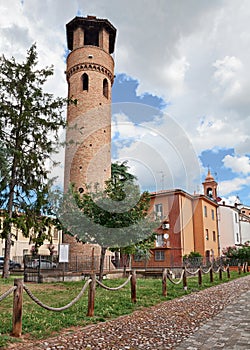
(90, 75)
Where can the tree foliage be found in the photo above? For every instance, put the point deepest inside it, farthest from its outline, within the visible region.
(30, 121)
(116, 217)
(238, 254)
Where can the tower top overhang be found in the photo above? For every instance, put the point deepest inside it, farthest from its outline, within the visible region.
(87, 22)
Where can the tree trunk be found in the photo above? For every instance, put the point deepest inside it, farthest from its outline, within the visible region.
(6, 271)
(102, 259)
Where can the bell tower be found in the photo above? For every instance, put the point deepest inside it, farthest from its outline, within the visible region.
(210, 186)
(90, 75)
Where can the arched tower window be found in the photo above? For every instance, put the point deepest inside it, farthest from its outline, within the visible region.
(105, 88)
(85, 82)
(210, 192)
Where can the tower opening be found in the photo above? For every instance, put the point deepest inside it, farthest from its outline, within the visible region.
(210, 192)
(105, 88)
(91, 36)
(85, 82)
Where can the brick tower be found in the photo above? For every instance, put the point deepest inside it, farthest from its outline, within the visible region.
(90, 75)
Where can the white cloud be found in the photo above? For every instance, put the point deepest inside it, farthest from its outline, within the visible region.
(234, 185)
(238, 164)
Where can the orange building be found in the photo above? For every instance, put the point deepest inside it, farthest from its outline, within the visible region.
(206, 239)
(188, 223)
(175, 235)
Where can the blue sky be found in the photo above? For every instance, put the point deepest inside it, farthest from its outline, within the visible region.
(181, 94)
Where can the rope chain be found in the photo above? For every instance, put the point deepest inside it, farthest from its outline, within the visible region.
(36, 300)
(203, 271)
(172, 281)
(114, 288)
(193, 273)
(217, 270)
(7, 293)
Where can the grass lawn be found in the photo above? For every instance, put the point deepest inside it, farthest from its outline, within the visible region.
(40, 323)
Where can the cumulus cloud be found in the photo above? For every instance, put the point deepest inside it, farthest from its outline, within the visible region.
(235, 185)
(238, 164)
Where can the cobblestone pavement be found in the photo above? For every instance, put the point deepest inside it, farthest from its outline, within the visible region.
(214, 318)
(229, 330)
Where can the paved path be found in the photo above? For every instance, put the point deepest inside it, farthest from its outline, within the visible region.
(229, 330)
(214, 318)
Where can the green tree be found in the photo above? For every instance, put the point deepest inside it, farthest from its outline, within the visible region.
(30, 121)
(236, 255)
(115, 218)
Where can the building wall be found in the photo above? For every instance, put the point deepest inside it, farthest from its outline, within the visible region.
(187, 224)
(229, 226)
(245, 231)
(206, 227)
(21, 245)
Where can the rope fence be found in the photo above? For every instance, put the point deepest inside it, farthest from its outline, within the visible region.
(183, 278)
(91, 283)
(19, 286)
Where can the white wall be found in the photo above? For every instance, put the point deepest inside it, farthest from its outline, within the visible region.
(229, 226)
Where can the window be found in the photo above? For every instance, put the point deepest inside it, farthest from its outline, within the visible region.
(105, 88)
(207, 236)
(214, 236)
(212, 212)
(159, 211)
(236, 217)
(210, 192)
(159, 255)
(91, 36)
(237, 237)
(85, 82)
(205, 210)
(159, 240)
(55, 233)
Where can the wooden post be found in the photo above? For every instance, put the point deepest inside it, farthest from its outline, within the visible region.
(228, 272)
(211, 274)
(199, 277)
(93, 261)
(244, 267)
(91, 296)
(184, 279)
(164, 283)
(220, 273)
(133, 287)
(239, 268)
(17, 309)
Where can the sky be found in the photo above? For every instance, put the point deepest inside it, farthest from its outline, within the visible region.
(181, 94)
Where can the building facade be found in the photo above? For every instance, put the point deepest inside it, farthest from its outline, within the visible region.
(22, 245)
(229, 226)
(189, 223)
